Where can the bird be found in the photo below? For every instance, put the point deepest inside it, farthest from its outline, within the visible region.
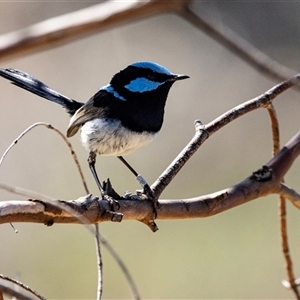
(120, 117)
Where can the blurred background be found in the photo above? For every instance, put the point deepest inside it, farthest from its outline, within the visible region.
(234, 255)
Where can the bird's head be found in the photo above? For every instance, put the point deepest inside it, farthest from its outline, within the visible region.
(144, 80)
(140, 92)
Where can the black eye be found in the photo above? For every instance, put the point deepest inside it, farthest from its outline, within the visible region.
(151, 77)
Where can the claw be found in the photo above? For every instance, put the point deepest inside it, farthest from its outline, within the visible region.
(112, 203)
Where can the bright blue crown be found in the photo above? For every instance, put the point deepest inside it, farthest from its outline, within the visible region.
(152, 66)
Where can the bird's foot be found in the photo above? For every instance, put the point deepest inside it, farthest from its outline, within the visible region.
(110, 195)
(110, 213)
(113, 203)
(147, 191)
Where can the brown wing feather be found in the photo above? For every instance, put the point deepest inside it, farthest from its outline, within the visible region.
(84, 114)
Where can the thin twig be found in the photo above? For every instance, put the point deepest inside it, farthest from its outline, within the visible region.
(18, 138)
(73, 155)
(24, 192)
(282, 205)
(49, 126)
(205, 131)
(125, 270)
(290, 194)
(14, 293)
(99, 262)
(285, 246)
(275, 128)
(287, 285)
(22, 285)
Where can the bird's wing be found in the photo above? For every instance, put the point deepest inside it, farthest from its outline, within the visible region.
(84, 114)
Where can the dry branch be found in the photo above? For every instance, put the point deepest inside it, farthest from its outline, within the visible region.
(63, 29)
(14, 293)
(203, 132)
(18, 284)
(263, 182)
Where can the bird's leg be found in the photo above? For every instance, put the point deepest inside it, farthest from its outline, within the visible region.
(141, 180)
(121, 158)
(91, 161)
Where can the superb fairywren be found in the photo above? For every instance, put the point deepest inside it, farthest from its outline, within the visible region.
(121, 117)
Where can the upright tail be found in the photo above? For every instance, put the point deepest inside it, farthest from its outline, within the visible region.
(33, 85)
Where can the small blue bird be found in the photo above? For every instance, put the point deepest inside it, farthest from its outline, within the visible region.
(121, 117)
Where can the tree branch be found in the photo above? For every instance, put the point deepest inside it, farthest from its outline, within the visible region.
(282, 206)
(12, 292)
(290, 194)
(20, 285)
(203, 132)
(261, 183)
(63, 29)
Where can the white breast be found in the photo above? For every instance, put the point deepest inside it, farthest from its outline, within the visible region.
(109, 137)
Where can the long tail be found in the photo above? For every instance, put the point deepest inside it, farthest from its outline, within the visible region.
(33, 85)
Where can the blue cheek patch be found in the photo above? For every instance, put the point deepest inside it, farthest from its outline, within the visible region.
(141, 85)
(110, 89)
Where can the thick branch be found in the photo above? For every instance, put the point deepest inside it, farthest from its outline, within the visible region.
(89, 209)
(75, 25)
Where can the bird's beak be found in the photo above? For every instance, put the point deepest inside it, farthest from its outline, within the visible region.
(179, 77)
